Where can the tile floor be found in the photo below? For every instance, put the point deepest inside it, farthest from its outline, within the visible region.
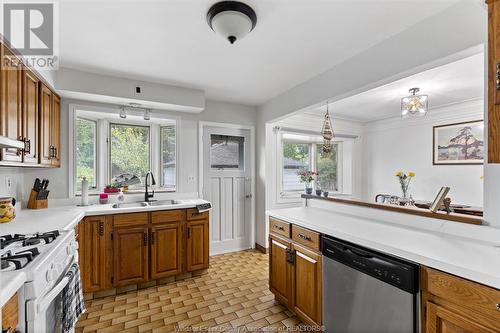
(232, 297)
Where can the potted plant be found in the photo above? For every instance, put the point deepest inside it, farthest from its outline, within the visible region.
(307, 177)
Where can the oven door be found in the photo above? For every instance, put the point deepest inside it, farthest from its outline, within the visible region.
(44, 314)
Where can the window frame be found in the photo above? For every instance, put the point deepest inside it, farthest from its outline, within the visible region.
(97, 153)
(288, 196)
(104, 117)
(128, 124)
(160, 168)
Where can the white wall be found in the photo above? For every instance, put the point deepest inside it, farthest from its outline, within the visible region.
(188, 161)
(406, 144)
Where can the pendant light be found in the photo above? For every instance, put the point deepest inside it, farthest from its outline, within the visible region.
(414, 105)
(327, 132)
(233, 20)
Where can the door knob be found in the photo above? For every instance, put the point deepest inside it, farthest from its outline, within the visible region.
(248, 196)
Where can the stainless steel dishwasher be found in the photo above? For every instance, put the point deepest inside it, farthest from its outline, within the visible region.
(365, 291)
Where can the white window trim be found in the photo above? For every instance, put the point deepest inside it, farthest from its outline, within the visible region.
(295, 196)
(103, 147)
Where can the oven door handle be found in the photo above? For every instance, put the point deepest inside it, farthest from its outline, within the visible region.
(49, 297)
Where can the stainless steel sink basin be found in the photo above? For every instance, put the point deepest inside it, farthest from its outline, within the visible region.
(130, 205)
(162, 203)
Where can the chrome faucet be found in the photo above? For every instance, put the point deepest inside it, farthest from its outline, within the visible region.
(148, 195)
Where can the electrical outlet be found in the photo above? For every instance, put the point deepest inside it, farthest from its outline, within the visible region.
(191, 179)
(8, 184)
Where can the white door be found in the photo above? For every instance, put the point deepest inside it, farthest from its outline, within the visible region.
(227, 185)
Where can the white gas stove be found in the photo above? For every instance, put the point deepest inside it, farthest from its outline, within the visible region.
(45, 259)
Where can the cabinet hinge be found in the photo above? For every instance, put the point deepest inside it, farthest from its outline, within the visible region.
(290, 256)
(112, 280)
(111, 236)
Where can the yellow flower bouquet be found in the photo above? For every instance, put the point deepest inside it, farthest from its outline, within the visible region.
(404, 181)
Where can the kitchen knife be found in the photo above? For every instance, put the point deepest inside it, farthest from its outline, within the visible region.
(46, 184)
(37, 186)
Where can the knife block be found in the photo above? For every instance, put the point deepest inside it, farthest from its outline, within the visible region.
(33, 203)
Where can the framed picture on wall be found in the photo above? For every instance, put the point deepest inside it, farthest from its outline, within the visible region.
(459, 143)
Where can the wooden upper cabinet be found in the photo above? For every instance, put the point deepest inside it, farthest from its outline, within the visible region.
(45, 145)
(130, 252)
(10, 103)
(93, 247)
(280, 269)
(197, 244)
(166, 250)
(55, 130)
(493, 81)
(307, 289)
(30, 116)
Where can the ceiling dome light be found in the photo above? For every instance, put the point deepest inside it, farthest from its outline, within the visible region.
(231, 19)
(414, 105)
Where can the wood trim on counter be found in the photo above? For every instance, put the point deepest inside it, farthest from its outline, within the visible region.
(405, 210)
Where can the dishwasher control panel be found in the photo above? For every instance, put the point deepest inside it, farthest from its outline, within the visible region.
(389, 269)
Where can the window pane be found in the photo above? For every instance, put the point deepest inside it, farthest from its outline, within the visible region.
(168, 162)
(130, 150)
(327, 169)
(227, 152)
(296, 157)
(85, 152)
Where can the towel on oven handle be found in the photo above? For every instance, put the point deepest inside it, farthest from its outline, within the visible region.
(72, 299)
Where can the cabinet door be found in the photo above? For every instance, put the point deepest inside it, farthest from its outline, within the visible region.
(166, 250)
(307, 284)
(55, 130)
(279, 269)
(30, 116)
(442, 320)
(197, 245)
(45, 145)
(92, 250)
(130, 251)
(11, 103)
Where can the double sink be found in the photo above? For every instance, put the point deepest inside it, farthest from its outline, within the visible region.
(139, 204)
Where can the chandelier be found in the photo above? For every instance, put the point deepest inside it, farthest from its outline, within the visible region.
(327, 133)
(414, 105)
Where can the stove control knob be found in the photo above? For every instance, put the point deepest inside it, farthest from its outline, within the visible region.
(51, 275)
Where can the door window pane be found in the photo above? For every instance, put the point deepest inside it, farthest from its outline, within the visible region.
(296, 157)
(327, 167)
(85, 152)
(168, 158)
(130, 151)
(226, 152)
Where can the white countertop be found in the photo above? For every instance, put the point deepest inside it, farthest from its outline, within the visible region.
(62, 218)
(470, 258)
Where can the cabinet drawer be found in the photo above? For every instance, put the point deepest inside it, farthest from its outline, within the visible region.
(306, 237)
(279, 227)
(132, 219)
(192, 214)
(467, 294)
(167, 216)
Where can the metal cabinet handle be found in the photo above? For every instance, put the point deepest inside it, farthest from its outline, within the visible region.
(290, 256)
(498, 76)
(27, 146)
(307, 238)
(278, 227)
(498, 306)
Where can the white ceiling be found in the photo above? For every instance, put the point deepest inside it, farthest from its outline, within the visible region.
(169, 41)
(451, 83)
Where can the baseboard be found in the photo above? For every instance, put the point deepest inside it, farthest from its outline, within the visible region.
(262, 249)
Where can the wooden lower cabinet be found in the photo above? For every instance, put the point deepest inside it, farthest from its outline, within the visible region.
(295, 275)
(93, 252)
(279, 269)
(451, 304)
(166, 250)
(124, 249)
(307, 281)
(130, 254)
(197, 245)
